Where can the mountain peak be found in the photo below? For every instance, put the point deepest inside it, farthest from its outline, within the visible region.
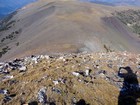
(116, 2)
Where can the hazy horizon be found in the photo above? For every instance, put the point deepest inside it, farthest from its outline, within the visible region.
(116, 2)
(8, 6)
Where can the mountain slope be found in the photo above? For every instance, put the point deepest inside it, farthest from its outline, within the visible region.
(63, 27)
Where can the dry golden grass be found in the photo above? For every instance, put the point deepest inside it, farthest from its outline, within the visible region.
(99, 92)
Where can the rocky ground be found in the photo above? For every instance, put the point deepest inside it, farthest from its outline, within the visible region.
(72, 79)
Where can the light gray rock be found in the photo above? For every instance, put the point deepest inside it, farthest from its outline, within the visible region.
(56, 90)
(74, 101)
(87, 72)
(76, 74)
(7, 77)
(22, 68)
(56, 82)
(3, 92)
(42, 97)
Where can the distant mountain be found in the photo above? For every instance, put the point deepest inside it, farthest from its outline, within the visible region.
(116, 2)
(8, 6)
(98, 2)
(65, 27)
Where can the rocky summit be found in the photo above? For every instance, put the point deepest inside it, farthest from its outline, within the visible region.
(71, 79)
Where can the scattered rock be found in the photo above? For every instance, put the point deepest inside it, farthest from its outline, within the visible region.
(56, 90)
(7, 96)
(138, 66)
(74, 101)
(110, 65)
(87, 72)
(43, 70)
(6, 99)
(62, 80)
(42, 97)
(3, 92)
(6, 77)
(75, 74)
(55, 82)
(102, 72)
(22, 69)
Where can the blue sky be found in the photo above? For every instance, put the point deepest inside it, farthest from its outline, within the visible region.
(8, 6)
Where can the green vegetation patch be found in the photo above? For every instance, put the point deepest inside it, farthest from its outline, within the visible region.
(4, 50)
(11, 36)
(131, 18)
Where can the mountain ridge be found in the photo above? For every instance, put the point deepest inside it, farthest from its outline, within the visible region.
(116, 2)
(64, 27)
